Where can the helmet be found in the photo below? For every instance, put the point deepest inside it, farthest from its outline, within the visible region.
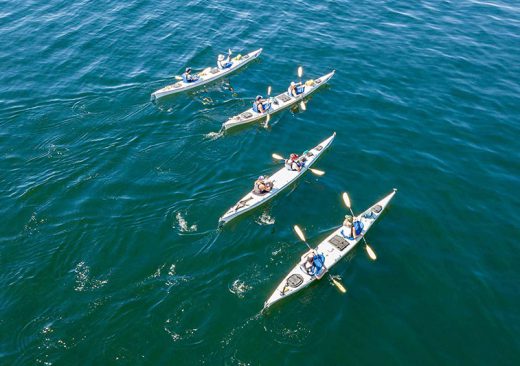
(221, 57)
(258, 97)
(188, 69)
(261, 177)
(292, 83)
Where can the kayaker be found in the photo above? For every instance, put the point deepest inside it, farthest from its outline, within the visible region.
(223, 62)
(354, 227)
(295, 89)
(187, 77)
(260, 105)
(294, 163)
(314, 264)
(309, 263)
(262, 185)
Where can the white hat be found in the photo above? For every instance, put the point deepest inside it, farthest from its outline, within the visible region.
(221, 57)
(292, 83)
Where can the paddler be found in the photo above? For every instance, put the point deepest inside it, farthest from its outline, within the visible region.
(223, 62)
(354, 227)
(315, 264)
(294, 163)
(295, 89)
(187, 77)
(262, 185)
(260, 105)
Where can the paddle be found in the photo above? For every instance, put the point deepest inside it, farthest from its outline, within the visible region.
(315, 171)
(300, 74)
(268, 118)
(338, 284)
(369, 250)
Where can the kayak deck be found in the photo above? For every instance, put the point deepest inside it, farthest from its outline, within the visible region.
(334, 247)
(206, 76)
(278, 103)
(281, 179)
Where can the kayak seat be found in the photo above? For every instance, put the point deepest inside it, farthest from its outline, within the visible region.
(338, 242)
(294, 280)
(284, 97)
(214, 70)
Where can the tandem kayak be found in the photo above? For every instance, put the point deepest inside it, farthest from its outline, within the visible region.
(333, 248)
(281, 179)
(206, 76)
(278, 103)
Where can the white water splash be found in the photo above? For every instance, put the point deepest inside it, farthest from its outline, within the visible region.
(239, 288)
(183, 224)
(83, 280)
(170, 328)
(214, 135)
(265, 219)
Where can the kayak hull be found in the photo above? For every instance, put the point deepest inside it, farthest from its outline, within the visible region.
(334, 247)
(278, 103)
(212, 75)
(281, 180)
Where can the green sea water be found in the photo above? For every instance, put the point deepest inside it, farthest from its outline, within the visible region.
(109, 247)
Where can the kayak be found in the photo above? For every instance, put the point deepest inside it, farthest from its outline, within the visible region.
(277, 103)
(206, 76)
(333, 248)
(281, 180)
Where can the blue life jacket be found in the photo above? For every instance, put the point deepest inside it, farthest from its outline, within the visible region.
(358, 227)
(192, 78)
(255, 107)
(318, 264)
(300, 89)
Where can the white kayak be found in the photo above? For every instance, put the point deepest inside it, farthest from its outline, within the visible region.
(206, 76)
(333, 248)
(281, 179)
(278, 103)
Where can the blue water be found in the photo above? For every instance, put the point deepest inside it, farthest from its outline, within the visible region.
(109, 248)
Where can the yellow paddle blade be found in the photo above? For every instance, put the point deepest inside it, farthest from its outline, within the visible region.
(303, 106)
(370, 252)
(317, 172)
(277, 157)
(300, 71)
(346, 199)
(338, 285)
(299, 232)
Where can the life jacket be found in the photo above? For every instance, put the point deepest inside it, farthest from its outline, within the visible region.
(300, 89)
(255, 106)
(224, 65)
(358, 227)
(318, 264)
(185, 78)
